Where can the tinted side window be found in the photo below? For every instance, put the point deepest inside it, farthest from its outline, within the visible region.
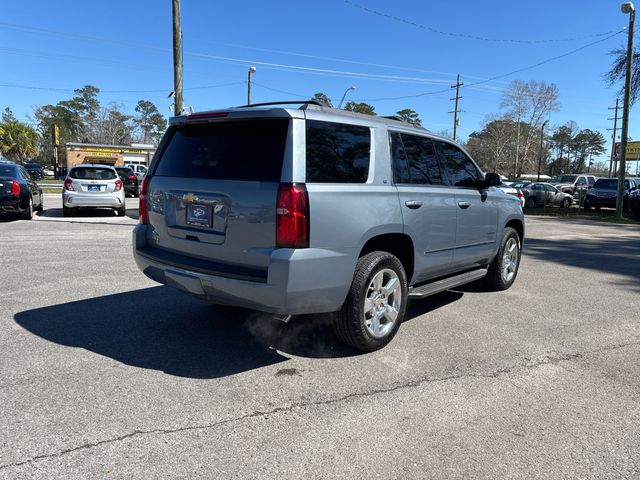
(337, 153)
(462, 171)
(414, 160)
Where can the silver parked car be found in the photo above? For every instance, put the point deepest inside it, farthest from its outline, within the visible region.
(537, 194)
(317, 210)
(93, 186)
(511, 190)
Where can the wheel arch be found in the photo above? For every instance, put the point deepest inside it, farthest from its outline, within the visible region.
(398, 244)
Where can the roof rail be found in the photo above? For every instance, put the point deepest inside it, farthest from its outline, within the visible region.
(286, 102)
(394, 117)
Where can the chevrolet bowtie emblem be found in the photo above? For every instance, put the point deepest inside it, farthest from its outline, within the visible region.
(190, 197)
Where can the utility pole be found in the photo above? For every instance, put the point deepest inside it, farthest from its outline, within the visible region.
(613, 139)
(455, 110)
(177, 58)
(250, 73)
(627, 8)
(541, 147)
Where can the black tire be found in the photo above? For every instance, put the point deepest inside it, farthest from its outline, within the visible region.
(122, 211)
(40, 207)
(531, 202)
(495, 278)
(67, 212)
(28, 213)
(587, 207)
(350, 323)
(566, 203)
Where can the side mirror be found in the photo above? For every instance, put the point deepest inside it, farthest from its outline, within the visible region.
(492, 180)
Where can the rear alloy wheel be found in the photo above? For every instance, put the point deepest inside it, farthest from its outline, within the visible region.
(566, 203)
(28, 213)
(376, 304)
(40, 207)
(531, 203)
(504, 267)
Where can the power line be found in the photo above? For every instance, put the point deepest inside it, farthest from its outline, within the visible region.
(513, 72)
(469, 36)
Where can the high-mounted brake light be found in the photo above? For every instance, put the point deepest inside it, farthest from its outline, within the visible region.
(143, 213)
(200, 116)
(68, 184)
(132, 177)
(118, 185)
(15, 189)
(292, 216)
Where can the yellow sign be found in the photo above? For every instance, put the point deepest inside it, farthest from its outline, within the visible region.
(95, 150)
(91, 153)
(633, 150)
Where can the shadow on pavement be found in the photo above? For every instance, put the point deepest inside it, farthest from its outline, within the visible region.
(163, 329)
(82, 214)
(618, 256)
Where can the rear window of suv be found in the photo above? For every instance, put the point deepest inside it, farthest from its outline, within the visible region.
(93, 173)
(337, 152)
(251, 151)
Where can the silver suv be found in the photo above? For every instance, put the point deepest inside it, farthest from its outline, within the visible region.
(314, 210)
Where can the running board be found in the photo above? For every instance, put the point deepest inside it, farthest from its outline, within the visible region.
(446, 283)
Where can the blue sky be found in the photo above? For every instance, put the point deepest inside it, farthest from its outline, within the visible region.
(401, 49)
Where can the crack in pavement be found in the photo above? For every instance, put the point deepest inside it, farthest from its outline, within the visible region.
(547, 359)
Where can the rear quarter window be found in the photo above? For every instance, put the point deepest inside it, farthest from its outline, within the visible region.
(337, 152)
(251, 151)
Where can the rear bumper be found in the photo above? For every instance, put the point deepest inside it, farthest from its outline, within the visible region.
(75, 199)
(10, 205)
(298, 281)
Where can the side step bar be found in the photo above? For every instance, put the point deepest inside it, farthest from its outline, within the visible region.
(446, 283)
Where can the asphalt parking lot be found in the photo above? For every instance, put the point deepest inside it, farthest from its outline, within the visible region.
(106, 374)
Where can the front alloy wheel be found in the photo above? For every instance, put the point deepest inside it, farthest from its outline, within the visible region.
(504, 267)
(510, 260)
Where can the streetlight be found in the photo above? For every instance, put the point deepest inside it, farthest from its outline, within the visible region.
(352, 87)
(541, 146)
(252, 70)
(627, 8)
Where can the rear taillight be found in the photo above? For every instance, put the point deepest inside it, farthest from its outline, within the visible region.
(520, 194)
(118, 185)
(292, 216)
(132, 177)
(142, 207)
(68, 184)
(15, 189)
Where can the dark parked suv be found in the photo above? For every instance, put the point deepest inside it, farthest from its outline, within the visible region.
(317, 210)
(604, 192)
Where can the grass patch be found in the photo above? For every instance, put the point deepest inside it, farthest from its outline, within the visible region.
(51, 181)
(51, 190)
(575, 212)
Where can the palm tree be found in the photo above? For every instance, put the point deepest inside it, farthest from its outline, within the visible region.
(18, 141)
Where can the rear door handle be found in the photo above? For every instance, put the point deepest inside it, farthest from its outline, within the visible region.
(413, 204)
(464, 205)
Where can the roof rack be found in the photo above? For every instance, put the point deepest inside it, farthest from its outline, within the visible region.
(286, 102)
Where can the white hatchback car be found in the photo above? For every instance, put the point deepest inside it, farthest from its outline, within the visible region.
(93, 186)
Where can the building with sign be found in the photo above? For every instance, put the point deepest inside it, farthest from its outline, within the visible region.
(117, 155)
